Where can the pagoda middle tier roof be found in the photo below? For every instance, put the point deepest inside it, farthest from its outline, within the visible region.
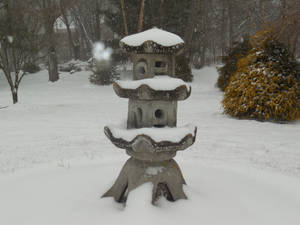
(156, 88)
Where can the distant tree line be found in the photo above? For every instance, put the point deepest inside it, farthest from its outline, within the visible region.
(52, 31)
(209, 27)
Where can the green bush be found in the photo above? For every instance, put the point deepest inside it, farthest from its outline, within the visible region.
(104, 76)
(230, 62)
(266, 85)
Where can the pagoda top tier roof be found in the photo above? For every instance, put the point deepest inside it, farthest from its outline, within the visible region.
(152, 41)
(156, 88)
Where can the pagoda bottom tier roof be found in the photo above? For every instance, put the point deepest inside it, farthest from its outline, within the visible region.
(152, 140)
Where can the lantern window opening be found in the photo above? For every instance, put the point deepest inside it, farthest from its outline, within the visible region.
(160, 64)
(161, 68)
(142, 70)
(139, 115)
(159, 125)
(159, 114)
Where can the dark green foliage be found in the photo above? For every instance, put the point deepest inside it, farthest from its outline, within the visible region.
(297, 66)
(230, 62)
(283, 61)
(104, 76)
(265, 85)
(183, 69)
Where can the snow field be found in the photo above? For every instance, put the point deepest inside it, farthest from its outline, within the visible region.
(55, 161)
(217, 195)
(64, 120)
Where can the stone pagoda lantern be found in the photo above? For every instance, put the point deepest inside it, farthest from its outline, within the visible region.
(150, 136)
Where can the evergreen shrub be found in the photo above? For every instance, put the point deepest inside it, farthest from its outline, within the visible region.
(266, 84)
(104, 76)
(230, 62)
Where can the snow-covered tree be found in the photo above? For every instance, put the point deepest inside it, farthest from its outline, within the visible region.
(266, 85)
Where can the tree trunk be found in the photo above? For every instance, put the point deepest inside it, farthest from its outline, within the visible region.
(53, 67)
(76, 50)
(141, 16)
(14, 93)
(161, 14)
(98, 30)
(83, 41)
(70, 37)
(202, 56)
(195, 11)
(71, 42)
(223, 30)
(52, 57)
(214, 51)
(230, 23)
(124, 17)
(283, 9)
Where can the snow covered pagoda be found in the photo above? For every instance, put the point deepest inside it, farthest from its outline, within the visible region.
(151, 137)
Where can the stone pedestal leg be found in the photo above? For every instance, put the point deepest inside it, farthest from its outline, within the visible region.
(165, 176)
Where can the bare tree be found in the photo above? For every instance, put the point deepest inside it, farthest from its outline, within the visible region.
(83, 20)
(49, 12)
(18, 41)
(88, 19)
(67, 20)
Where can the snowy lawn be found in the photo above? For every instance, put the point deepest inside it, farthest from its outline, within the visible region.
(55, 160)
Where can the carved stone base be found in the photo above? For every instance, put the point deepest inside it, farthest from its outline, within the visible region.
(165, 176)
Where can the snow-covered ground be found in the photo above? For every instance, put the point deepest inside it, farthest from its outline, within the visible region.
(55, 160)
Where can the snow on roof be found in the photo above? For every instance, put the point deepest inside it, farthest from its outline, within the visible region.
(171, 134)
(158, 83)
(161, 37)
